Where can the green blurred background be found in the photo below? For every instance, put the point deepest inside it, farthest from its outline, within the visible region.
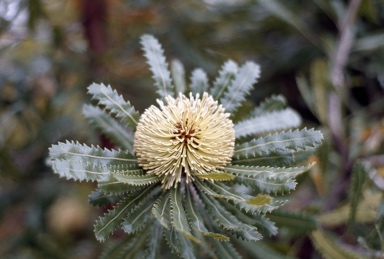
(325, 56)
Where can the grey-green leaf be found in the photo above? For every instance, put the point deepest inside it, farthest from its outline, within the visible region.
(81, 162)
(178, 217)
(273, 103)
(267, 179)
(240, 86)
(199, 81)
(162, 210)
(292, 141)
(121, 137)
(178, 75)
(115, 104)
(273, 121)
(110, 221)
(135, 177)
(154, 243)
(228, 221)
(158, 65)
(195, 217)
(224, 79)
(141, 214)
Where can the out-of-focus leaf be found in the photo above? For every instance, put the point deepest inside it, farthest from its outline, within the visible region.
(199, 82)
(299, 222)
(329, 247)
(359, 177)
(178, 75)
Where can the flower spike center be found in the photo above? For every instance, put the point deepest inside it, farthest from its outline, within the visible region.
(184, 138)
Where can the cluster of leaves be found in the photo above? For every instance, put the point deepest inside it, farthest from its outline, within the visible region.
(204, 212)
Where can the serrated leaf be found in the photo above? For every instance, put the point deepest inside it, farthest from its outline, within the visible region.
(258, 221)
(276, 158)
(170, 236)
(240, 86)
(228, 221)
(359, 178)
(242, 201)
(154, 243)
(139, 215)
(199, 81)
(114, 186)
(178, 217)
(224, 79)
(329, 248)
(99, 198)
(81, 162)
(110, 221)
(219, 176)
(111, 128)
(261, 250)
(273, 103)
(224, 249)
(273, 121)
(186, 246)
(178, 75)
(114, 103)
(138, 177)
(195, 218)
(129, 247)
(158, 65)
(161, 210)
(299, 222)
(293, 141)
(259, 200)
(267, 179)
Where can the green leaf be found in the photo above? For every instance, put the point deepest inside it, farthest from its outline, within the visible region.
(224, 249)
(99, 198)
(273, 121)
(114, 103)
(199, 82)
(195, 218)
(80, 162)
(359, 178)
(178, 75)
(274, 103)
(258, 204)
(224, 80)
(296, 140)
(135, 177)
(116, 249)
(140, 215)
(110, 221)
(185, 245)
(261, 250)
(110, 127)
(218, 176)
(114, 186)
(228, 221)
(178, 217)
(154, 243)
(299, 222)
(258, 221)
(162, 210)
(158, 65)
(267, 179)
(329, 248)
(172, 240)
(240, 86)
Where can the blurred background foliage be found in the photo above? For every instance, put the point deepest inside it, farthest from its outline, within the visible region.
(325, 56)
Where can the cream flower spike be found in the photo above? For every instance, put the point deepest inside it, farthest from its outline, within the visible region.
(186, 137)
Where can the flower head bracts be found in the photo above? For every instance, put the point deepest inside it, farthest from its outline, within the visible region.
(181, 180)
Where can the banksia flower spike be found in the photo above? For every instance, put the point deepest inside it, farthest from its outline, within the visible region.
(185, 173)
